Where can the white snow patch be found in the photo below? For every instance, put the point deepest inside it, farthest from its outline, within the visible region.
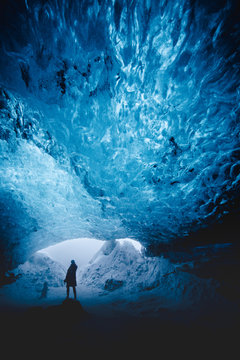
(138, 246)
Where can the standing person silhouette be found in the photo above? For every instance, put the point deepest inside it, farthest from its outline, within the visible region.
(70, 278)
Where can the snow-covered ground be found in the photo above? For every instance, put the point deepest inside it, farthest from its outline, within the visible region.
(118, 279)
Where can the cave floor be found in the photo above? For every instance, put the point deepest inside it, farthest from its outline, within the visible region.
(109, 324)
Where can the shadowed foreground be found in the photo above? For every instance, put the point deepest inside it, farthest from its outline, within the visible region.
(68, 328)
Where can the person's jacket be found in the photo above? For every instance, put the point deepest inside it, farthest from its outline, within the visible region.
(71, 275)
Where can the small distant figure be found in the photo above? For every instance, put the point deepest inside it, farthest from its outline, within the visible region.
(44, 290)
(70, 278)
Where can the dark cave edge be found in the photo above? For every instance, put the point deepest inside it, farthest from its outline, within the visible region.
(211, 253)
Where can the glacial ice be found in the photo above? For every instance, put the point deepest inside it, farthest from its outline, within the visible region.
(118, 119)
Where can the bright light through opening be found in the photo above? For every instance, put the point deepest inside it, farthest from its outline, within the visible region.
(81, 250)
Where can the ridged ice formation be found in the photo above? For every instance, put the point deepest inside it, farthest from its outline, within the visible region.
(119, 118)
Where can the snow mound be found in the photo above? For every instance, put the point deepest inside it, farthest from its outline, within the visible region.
(41, 268)
(121, 261)
(34, 279)
(145, 284)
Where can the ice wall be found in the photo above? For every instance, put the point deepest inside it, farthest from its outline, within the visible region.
(118, 118)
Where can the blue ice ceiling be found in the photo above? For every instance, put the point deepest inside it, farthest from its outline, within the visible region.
(118, 118)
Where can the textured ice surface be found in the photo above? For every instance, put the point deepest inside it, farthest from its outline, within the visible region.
(118, 119)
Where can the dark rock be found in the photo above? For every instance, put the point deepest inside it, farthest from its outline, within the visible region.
(112, 284)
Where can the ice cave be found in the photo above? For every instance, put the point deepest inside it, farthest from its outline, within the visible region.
(120, 126)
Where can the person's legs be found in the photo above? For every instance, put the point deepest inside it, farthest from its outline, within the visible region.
(67, 291)
(74, 292)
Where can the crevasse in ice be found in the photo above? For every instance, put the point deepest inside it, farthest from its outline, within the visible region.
(118, 118)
